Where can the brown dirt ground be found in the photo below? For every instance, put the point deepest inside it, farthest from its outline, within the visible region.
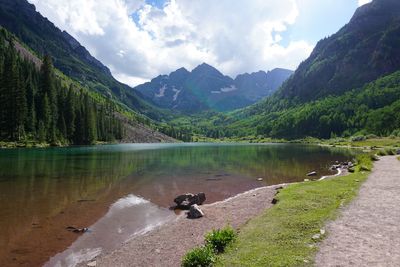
(166, 245)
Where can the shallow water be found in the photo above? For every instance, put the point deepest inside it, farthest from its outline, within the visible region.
(123, 190)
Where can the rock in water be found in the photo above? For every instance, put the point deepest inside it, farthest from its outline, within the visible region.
(186, 200)
(195, 212)
(200, 198)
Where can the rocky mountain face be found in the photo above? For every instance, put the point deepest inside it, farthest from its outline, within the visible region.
(206, 88)
(365, 49)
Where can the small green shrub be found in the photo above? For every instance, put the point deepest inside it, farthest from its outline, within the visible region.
(358, 138)
(220, 239)
(382, 153)
(199, 257)
(364, 162)
(374, 157)
(390, 151)
(371, 136)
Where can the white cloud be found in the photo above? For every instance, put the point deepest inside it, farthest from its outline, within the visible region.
(363, 2)
(234, 36)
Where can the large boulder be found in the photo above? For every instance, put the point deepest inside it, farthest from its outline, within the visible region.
(185, 201)
(195, 212)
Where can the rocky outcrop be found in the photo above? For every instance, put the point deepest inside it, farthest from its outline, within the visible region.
(195, 212)
(187, 200)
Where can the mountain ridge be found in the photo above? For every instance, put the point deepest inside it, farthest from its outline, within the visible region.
(205, 88)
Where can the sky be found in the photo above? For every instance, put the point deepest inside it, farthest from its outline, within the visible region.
(141, 39)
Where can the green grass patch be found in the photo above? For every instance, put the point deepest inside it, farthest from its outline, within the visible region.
(282, 235)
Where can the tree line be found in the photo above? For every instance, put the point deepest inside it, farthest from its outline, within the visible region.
(373, 109)
(37, 105)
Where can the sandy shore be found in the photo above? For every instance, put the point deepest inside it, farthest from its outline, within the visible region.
(166, 245)
(368, 230)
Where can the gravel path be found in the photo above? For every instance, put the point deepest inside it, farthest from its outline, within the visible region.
(166, 245)
(368, 231)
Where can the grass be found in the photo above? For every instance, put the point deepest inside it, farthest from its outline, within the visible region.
(282, 235)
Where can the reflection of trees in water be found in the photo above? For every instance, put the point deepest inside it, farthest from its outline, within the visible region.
(78, 172)
(42, 182)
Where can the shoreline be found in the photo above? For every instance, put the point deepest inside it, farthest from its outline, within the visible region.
(166, 244)
(147, 243)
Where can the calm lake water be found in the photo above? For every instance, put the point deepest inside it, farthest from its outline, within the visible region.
(120, 191)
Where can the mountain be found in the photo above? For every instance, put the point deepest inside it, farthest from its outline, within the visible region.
(365, 49)
(349, 86)
(260, 84)
(206, 88)
(69, 56)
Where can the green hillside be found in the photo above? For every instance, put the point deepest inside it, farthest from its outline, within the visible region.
(40, 105)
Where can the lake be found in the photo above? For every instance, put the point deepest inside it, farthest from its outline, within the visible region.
(121, 191)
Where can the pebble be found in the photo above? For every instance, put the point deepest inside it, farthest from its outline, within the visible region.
(260, 179)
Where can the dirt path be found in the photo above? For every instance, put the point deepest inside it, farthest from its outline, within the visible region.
(368, 231)
(166, 245)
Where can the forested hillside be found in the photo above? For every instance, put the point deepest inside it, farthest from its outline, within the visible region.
(348, 86)
(38, 105)
(363, 50)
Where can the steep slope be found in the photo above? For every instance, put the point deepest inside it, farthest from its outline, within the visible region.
(350, 85)
(39, 104)
(365, 49)
(21, 18)
(206, 88)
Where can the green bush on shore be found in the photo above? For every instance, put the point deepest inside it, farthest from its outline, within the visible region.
(199, 257)
(215, 242)
(220, 239)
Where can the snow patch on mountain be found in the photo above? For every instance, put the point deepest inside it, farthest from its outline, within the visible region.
(176, 93)
(228, 89)
(161, 92)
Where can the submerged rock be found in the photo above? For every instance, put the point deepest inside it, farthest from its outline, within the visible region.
(185, 201)
(195, 212)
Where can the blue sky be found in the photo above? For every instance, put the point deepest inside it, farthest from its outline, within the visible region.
(140, 39)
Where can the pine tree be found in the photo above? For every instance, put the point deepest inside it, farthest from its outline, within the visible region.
(30, 121)
(90, 122)
(48, 88)
(70, 114)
